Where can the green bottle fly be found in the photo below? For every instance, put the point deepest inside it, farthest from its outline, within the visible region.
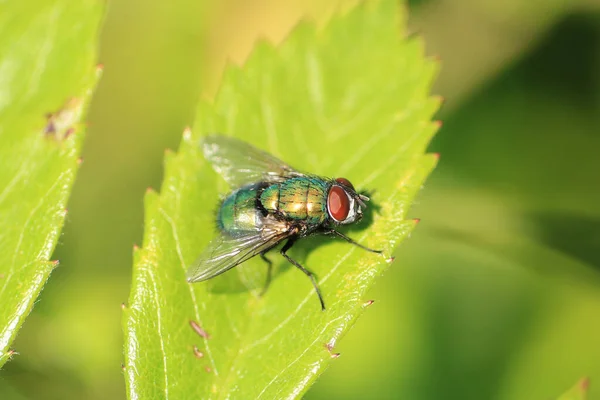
(273, 202)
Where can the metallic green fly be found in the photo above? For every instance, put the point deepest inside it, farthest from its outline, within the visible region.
(272, 202)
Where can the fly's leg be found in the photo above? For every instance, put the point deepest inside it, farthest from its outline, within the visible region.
(288, 245)
(350, 240)
(269, 273)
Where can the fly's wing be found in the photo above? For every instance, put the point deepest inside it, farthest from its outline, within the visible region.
(225, 252)
(240, 163)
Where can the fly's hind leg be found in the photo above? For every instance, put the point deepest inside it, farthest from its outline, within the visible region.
(269, 272)
(288, 245)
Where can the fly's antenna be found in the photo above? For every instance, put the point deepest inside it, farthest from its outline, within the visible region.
(362, 199)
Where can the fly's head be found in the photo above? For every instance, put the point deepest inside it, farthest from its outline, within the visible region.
(344, 204)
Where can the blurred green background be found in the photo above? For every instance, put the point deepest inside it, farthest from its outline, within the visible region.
(497, 293)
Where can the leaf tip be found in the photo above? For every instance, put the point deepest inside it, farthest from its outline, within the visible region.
(208, 369)
(10, 353)
(79, 160)
(150, 190)
(123, 306)
(584, 384)
(435, 58)
(368, 303)
(5, 357)
(390, 260)
(436, 156)
(123, 367)
(99, 71)
(187, 134)
(329, 347)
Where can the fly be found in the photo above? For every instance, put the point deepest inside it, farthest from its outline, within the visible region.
(271, 203)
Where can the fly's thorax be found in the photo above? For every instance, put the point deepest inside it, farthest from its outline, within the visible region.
(302, 199)
(238, 211)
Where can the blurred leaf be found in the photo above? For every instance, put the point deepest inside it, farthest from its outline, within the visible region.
(577, 392)
(47, 73)
(509, 160)
(349, 100)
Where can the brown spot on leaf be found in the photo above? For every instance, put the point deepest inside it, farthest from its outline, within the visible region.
(198, 329)
(61, 123)
(198, 353)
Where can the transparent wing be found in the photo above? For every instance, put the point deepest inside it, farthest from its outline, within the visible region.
(225, 252)
(240, 163)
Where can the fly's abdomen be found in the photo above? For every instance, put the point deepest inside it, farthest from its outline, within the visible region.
(238, 212)
(297, 198)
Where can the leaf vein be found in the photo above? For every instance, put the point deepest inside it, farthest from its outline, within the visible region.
(172, 224)
(22, 234)
(309, 347)
(160, 330)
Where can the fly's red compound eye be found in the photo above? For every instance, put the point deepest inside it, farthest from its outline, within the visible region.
(345, 182)
(338, 203)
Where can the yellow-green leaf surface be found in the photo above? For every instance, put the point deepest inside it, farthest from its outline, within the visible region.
(47, 73)
(577, 392)
(350, 99)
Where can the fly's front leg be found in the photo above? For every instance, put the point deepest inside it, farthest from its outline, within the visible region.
(288, 245)
(350, 240)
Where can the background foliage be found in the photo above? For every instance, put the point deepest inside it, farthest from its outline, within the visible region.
(47, 74)
(497, 295)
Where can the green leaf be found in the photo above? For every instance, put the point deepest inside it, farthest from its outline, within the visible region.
(577, 392)
(349, 100)
(47, 73)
